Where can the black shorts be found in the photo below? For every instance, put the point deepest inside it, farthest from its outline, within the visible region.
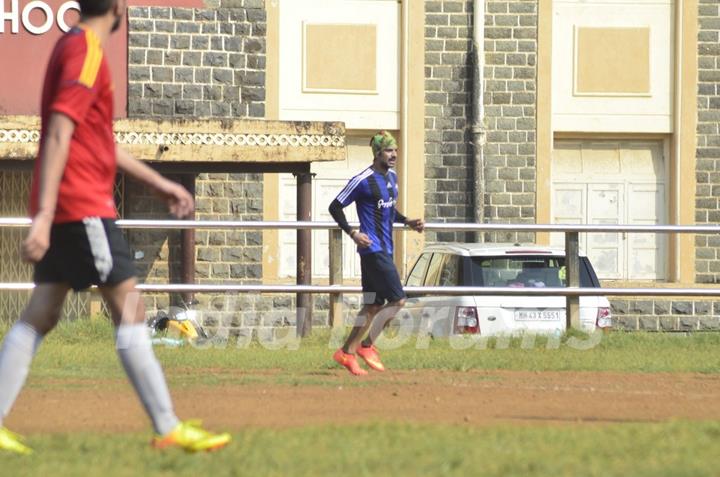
(91, 252)
(380, 279)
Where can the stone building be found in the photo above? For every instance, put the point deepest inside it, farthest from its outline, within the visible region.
(584, 112)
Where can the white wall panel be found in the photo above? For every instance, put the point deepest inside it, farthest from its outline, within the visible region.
(651, 112)
(375, 109)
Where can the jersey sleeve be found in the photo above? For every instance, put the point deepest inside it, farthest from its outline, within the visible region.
(350, 192)
(76, 83)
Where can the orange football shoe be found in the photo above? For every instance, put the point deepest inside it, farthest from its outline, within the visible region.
(371, 357)
(348, 361)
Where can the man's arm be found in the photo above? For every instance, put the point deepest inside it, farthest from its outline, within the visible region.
(417, 225)
(53, 159)
(336, 210)
(179, 200)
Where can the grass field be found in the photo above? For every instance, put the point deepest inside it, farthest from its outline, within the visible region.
(615, 352)
(81, 353)
(672, 449)
(84, 349)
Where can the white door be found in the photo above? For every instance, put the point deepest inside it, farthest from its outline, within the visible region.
(605, 206)
(613, 182)
(324, 190)
(647, 251)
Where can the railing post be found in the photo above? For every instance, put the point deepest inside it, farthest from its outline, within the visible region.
(304, 301)
(336, 276)
(187, 244)
(572, 268)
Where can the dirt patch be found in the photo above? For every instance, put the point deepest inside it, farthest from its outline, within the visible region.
(468, 398)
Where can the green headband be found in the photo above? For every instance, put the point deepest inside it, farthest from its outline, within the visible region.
(382, 140)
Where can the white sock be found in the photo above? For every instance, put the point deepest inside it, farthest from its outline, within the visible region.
(18, 350)
(142, 367)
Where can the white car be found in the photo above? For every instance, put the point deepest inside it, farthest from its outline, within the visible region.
(499, 265)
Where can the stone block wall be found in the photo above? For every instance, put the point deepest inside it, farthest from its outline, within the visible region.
(448, 87)
(228, 255)
(510, 85)
(665, 315)
(707, 199)
(510, 98)
(186, 62)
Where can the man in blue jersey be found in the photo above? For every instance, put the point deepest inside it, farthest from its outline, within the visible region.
(375, 193)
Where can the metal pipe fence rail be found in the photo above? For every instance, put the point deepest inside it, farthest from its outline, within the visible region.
(440, 226)
(572, 292)
(439, 291)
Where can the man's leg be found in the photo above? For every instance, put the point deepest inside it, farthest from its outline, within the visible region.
(386, 279)
(383, 318)
(362, 323)
(18, 349)
(136, 354)
(143, 369)
(21, 342)
(345, 356)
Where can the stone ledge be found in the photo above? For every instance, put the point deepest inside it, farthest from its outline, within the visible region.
(187, 141)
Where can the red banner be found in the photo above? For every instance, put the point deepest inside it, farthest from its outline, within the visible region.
(28, 32)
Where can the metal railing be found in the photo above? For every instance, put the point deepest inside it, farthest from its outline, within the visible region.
(572, 292)
(441, 291)
(440, 226)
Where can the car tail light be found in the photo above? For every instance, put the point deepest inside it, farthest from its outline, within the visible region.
(466, 320)
(604, 318)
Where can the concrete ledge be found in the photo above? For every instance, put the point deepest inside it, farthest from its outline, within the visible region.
(199, 141)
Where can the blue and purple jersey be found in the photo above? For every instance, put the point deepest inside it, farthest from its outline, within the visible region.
(375, 196)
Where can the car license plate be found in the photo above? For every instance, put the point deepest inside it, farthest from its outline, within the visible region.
(539, 315)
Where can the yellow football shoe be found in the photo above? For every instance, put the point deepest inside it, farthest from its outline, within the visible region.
(190, 436)
(12, 442)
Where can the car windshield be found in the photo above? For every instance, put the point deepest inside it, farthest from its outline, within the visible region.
(524, 271)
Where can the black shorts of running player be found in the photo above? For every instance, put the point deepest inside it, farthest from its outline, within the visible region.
(91, 252)
(380, 279)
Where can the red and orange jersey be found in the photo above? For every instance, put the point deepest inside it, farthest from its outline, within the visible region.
(78, 85)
